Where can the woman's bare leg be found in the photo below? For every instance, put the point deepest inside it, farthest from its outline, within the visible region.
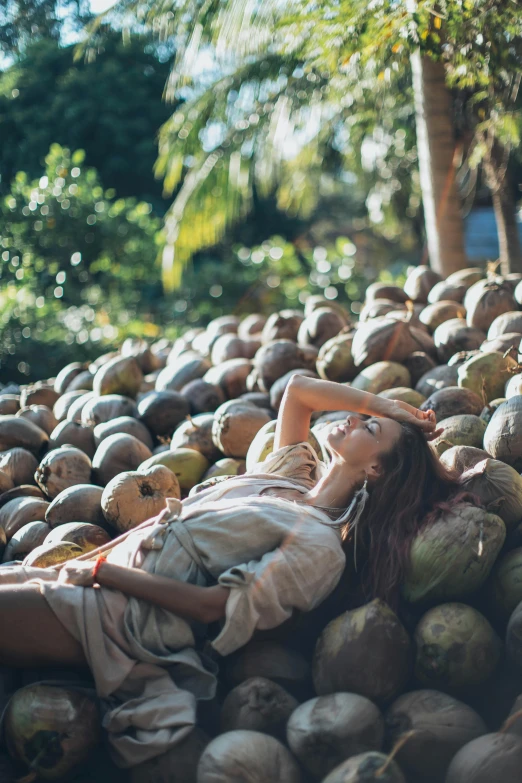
(31, 634)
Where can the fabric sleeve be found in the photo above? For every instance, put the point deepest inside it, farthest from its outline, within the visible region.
(263, 593)
(298, 462)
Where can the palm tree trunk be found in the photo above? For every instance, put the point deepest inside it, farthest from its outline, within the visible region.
(496, 171)
(436, 151)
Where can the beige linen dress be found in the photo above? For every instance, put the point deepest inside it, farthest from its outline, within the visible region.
(274, 554)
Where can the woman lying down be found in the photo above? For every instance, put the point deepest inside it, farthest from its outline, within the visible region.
(245, 552)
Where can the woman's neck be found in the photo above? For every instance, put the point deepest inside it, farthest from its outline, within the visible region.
(333, 490)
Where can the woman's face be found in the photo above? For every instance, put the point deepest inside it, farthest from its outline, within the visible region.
(359, 444)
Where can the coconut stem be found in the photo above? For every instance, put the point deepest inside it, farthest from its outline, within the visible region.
(194, 423)
(510, 721)
(396, 748)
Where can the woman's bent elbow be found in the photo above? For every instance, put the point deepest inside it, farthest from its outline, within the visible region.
(214, 606)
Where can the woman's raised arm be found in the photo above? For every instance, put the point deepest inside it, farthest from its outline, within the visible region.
(305, 395)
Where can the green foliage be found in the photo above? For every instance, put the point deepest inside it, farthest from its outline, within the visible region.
(110, 107)
(24, 21)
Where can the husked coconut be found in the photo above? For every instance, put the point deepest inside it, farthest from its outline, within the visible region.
(335, 361)
(503, 435)
(162, 411)
(223, 324)
(66, 375)
(320, 326)
(131, 498)
(462, 458)
(466, 276)
(225, 467)
(492, 757)
(6, 482)
(98, 410)
(513, 386)
(196, 434)
(251, 325)
(380, 376)
(123, 424)
(499, 488)
(263, 445)
(419, 283)
(486, 300)
(83, 534)
(62, 468)
(275, 359)
(15, 431)
(139, 349)
(19, 512)
(83, 381)
(62, 405)
(74, 412)
(187, 465)
(508, 342)
(465, 430)
(228, 346)
(375, 308)
(506, 584)
(444, 291)
(121, 375)
(25, 540)
(186, 368)
(282, 326)
(48, 555)
(116, 454)
(451, 627)
(380, 676)
(40, 415)
(317, 302)
(74, 434)
(19, 464)
(418, 364)
(183, 757)
(269, 659)
(230, 376)
(260, 399)
(455, 335)
(235, 427)
(228, 756)
(506, 323)
(452, 556)
(371, 767)
(325, 731)
(23, 491)
(385, 291)
(203, 397)
(487, 374)
(441, 725)
(382, 339)
(513, 637)
(9, 404)
(279, 387)
(488, 411)
(38, 394)
(258, 704)
(80, 503)
(433, 315)
(453, 401)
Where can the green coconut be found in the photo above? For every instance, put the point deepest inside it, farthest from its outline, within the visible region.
(503, 435)
(514, 637)
(505, 343)
(381, 376)
(83, 534)
(228, 466)
(455, 647)
(247, 756)
(341, 660)
(513, 386)
(371, 767)
(492, 758)
(453, 401)
(51, 729)
(466, 430)
(403, 394)
(258, 704)
(49, 555)
(263, 445)
(499, 487)
(325, 731)
(441, 725)
(452, 557)
(506, 584)
(187, 465)
(453, 336)
(335, 361)
(487, 374)
(490, 409)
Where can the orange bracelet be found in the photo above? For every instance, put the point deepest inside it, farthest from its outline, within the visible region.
(97, 564)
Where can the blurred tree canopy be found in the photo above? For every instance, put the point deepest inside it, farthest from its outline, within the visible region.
(111, 107)
(23, 22)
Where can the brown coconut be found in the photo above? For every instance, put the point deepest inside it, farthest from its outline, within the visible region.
(125, 424)
(376, 308)
(335, 361)
(453, 401)
(466, 277)
(492, 758)
(15, 431)
(84, 534)
(418, 364)
(9, 404)
(139, 349)
(279, 387)
(437, 378)
(320, 326)
(23, 491)
(116, 454)
(38, 394)
(131, 498)
(505, 587)
(371, 767)
(162, 411)
(454, 336)
(196, 434)
(62, 468)
(187, 465)
(490, 408)
(419, 283)
(269, 659)
(462, 430)
(229, 346)
(445, 291)
(499, 488)
(383, 339)
(223, 324)
(487, 374)
(62, 405)
(203, 397)
(461, 458)
(66, 375)
(486, 300)
(506, 323)
(186, 368)
(508, 342)
(275, 359)
(19, 512)
(385, 291)
(247, 756)
(379, 677)
(25, 540)
(258, 704)
(236, 425)
(251, 325)
(225, 467)
(6, 482)
(19, 464)
(183, 757)
(83, 381)
(380, 376)
(40, 415)
(282, 326)
(325, 731)
(403, 394)
(101, 409)
(48, 555)
(433, 315)
(502, 438)
(231, 377)
(74, 412)
(441, 725)
(260, 399)
(74, 434)
(80, 503)
(121, 375)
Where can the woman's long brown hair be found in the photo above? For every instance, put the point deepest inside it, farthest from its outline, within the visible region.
(412, 490)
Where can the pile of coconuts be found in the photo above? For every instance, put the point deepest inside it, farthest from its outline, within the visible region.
(351, 692)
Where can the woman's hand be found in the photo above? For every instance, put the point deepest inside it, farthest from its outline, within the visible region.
(77, 572)
(424, 420)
